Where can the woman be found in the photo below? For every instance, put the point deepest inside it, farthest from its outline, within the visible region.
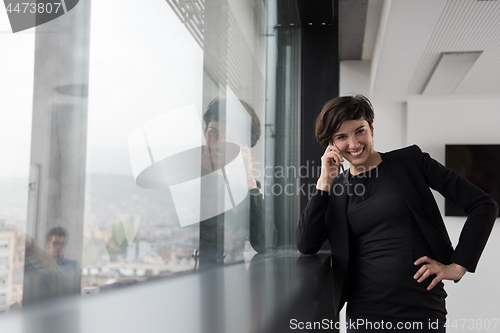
(390, 248)
(230, 124)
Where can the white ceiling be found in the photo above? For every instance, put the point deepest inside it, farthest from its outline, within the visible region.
(413, 33)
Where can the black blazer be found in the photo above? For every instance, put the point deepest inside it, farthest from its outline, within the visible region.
(414, 172)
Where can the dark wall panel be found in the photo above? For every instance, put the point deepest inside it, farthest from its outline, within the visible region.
(320, 80)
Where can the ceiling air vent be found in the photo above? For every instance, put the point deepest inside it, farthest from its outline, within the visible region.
(450, 69)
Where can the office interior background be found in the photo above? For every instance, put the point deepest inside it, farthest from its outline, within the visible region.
(93, 100)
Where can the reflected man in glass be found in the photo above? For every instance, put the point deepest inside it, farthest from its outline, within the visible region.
(56, 244)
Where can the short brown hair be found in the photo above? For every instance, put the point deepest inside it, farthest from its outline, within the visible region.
(338, 110)
(57, 231)
(213, 113)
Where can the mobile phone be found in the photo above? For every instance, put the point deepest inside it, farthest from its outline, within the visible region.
(341, 167)
(333, 144)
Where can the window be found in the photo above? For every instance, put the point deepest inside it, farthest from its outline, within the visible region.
(175, 149)
(4, 262)
(200, 92)
(4, 244)
(3, 280)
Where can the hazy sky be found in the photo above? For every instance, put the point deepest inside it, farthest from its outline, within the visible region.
(16, 98)
(143, 62)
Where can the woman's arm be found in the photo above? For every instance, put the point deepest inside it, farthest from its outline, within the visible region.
(258, 222)
(481, 209)
(443, 272)
(311, 231)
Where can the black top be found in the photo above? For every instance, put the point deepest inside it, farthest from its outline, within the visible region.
(386, 242)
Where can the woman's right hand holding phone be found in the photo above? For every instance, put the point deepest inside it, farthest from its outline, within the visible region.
(330, 167)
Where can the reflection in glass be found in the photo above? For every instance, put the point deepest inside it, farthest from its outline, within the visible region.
(153, 170)
(147, 145)
(46, 278)
(57, 239)
(232, 120)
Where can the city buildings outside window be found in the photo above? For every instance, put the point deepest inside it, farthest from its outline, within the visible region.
(4, 263)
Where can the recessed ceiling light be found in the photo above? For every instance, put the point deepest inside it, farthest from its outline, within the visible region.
(451, 68)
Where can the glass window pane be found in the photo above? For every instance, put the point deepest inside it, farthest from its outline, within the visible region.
(147, 143)
(175, 117)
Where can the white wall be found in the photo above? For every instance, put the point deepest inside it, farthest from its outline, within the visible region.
(355, 77)
(390, 117)
(431, 125)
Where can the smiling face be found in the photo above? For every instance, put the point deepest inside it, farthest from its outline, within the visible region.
(355, 140)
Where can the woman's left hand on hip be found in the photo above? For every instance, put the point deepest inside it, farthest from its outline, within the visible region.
(443, 272)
